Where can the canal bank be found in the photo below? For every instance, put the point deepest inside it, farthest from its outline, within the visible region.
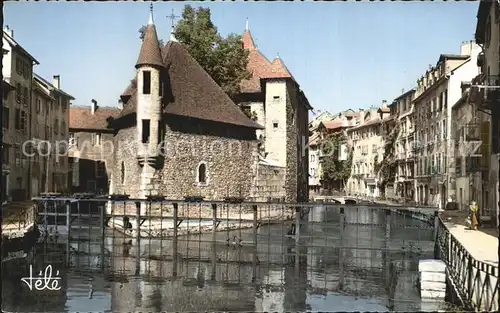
(471, 258)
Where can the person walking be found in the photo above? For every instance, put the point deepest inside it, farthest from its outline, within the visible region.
(473, 214)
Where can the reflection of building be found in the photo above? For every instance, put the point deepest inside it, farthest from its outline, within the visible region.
(437, 90)
(90, 147)
(17, 72)
(50, 116)
(484, 94)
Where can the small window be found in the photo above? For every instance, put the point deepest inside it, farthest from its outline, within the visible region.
(160, 90)
(275, 125)
(6, 117)
(96, 139)
(100, 169)
(276, 98)
(146, 82)
(71, 139)
(202, 173)
(123, 172)
(145, 131)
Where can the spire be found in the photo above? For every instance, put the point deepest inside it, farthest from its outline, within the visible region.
(150, 50)
(246, 24)
(150, 22)
(172, 17)
(172, 36)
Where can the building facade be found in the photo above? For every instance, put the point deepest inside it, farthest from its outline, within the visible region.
(366, 137)
(50, 116)
(437, 90)
(17, 72)
(91, 148)
(470, 131)
(485, 95)
(402, 109)
(274, 97)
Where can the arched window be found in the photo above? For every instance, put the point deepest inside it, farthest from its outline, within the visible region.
(123, 173)
(202, 173)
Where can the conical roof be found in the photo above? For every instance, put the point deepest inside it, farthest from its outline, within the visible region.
(150, 50)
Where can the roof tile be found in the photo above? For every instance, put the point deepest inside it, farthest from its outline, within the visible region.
(192, 92)
(81, 117)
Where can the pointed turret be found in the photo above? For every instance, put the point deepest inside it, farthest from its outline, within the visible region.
(247, 39)
(279, 69)
(150, 50)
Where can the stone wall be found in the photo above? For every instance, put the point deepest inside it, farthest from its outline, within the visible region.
(269, 183)
(227, 152)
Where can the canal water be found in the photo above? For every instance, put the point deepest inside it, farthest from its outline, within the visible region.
(367, 266)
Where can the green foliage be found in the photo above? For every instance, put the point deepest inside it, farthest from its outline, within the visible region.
(224, 59)
(332, 168)
(142, 33)
(386, 168)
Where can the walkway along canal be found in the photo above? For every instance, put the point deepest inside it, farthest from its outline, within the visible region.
(475, 281)
(225, 256)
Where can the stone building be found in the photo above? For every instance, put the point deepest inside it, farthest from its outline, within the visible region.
(179, 134)
(437, 90)
(17, 72)
(50, 120)
(279, 104)
(366, 138)
(402, 109)
(91, 147)
(484, 94)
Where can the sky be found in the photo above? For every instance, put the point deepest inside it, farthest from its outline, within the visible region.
(343, 54)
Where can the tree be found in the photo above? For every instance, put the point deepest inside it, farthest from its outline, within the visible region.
(224, 59)
(385, 169)
(142, 33)
(334, 169)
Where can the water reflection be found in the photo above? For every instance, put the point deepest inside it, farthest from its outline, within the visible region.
(339, 265)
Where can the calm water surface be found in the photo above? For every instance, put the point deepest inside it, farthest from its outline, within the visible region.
(362, 268)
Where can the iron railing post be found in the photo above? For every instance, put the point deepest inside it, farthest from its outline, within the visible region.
(174, 239)
(214, 242)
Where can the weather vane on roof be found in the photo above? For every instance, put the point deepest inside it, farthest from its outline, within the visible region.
(172, 17)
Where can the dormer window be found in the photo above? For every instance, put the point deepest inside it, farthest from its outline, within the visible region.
(146, 82)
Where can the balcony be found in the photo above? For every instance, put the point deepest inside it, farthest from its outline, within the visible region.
(485, 91)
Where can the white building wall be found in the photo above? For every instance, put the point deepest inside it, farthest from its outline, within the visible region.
(275, 121)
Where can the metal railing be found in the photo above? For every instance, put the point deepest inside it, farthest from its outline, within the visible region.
(477, 282)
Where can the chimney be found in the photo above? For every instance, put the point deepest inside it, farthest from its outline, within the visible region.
(56, 81)
(466, 48)
(93, 107)
(9, 31)
(384, 103)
